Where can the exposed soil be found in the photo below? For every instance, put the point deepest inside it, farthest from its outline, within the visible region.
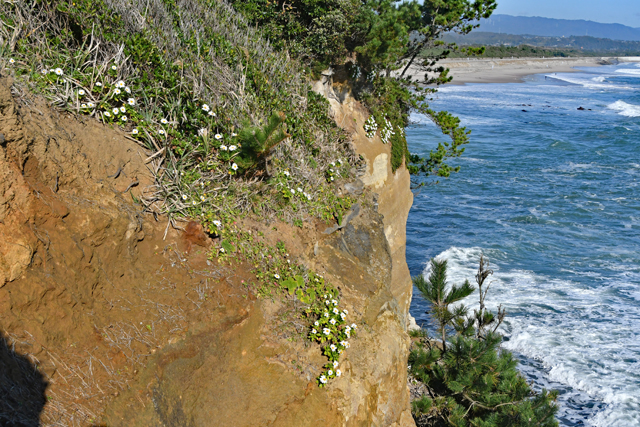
(89, 289)
(129, 323)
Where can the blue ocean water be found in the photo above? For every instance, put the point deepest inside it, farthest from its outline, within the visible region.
(551, 195)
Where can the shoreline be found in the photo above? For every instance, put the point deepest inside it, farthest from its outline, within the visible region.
(513, 70)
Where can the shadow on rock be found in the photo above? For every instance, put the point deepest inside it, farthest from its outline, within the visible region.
(22, 388)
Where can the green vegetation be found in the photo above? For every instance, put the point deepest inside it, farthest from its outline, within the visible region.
(470, 380)
(377, 43)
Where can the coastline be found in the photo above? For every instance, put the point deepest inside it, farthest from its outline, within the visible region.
(496, 70)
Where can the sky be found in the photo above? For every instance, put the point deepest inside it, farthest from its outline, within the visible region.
(625, 12)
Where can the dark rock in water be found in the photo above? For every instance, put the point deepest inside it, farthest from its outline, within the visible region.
(581, 108)
(524, 111)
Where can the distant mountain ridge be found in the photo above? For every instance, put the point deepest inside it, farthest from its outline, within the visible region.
(549, 27)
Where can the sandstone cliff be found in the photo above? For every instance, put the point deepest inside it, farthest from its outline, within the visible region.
(130, 327)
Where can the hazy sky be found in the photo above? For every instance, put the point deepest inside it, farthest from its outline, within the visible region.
(625, 12)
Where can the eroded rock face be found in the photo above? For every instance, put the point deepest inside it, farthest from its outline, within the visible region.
(122, 319)
(239, 372)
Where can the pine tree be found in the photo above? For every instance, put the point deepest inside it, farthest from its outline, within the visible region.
(474, 382)
(434, 290)
(257, 142)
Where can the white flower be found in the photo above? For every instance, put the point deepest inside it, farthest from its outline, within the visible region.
(123, 118)
(333, 347)
(313, 331)
(336, 311)
(131, 101)
(12, 61)
(52, 70)
(332, 164)
(345, 344)
(205, 107)
(91, 105)
(184, 197)
(115, 111)
(134, 132)
(327, 302)
(193, 203)
(326, 314)
(232, 148)
(127, 89)
(335, 364)
(45, 72)
(217, 223)
(212, 114)
(308, 197)
(218, 136)
(292, 191)
(107, 114)
(277, 276)
(202, 198)
(339, 351)
(222, 250)
(58, 71)
(164, 121)
(123, 109)
(354, 326)
(286, 173)
(323, 379)
(299, 190)
(325, 296)
(334, 302)
(234, 134)
(202, 132)
(81, 92)
(223, 147)
(234, 167)
(348, 334)
(331, 178)
(83, 105)
(339, 161)
(161, 131)
(326, 331)
(120, 83)
(338, 372)
(113, 67)
(316, 323)
(332, 321)
(116, 91)
(342, 316)
(98, 84)
(345, 311)
(347, 329)
(329, 372)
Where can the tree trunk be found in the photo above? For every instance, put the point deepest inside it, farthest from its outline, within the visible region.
(409, 63)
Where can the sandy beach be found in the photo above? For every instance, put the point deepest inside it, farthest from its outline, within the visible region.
(496, 70)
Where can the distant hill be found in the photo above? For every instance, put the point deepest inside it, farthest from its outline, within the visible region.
(577, 43)
(549, 27)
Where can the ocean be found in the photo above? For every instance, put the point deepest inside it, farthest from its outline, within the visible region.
(550, 194)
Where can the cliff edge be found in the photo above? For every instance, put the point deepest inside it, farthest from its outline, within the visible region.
(129, 323)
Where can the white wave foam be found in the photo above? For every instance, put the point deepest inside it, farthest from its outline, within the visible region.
(592, 83)
(624, 109)
(583, 335)
(629, 72)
